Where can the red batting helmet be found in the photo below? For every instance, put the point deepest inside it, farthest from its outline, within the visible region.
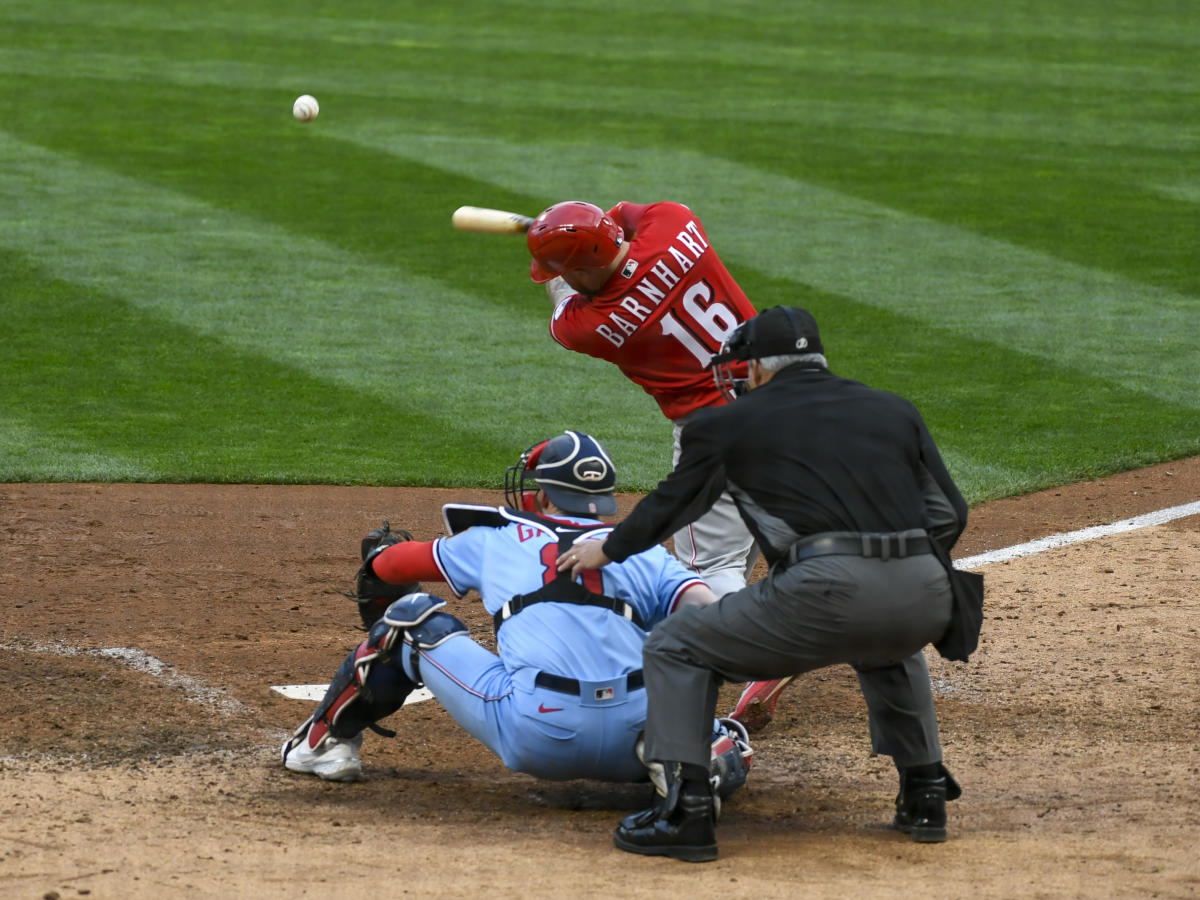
(571, 235)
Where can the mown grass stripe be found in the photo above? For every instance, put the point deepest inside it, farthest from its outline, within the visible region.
(121, 392)
(31, 452)
(251, 284)
(1163, 23)
(239, 303)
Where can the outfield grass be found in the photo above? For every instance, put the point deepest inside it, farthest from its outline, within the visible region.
(993, 212)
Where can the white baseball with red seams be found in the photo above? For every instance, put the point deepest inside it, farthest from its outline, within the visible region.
(305, 108)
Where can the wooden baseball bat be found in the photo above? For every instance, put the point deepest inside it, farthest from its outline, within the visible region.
(489, 221)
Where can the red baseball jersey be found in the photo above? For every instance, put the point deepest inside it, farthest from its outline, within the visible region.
(664, 314)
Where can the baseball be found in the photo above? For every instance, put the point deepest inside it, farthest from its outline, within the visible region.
(305, 108)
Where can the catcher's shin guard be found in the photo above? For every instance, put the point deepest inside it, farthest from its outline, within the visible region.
(369, 685)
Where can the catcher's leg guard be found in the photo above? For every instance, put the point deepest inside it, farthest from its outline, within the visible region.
(369, 685)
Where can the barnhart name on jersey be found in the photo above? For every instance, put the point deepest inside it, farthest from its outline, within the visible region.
(663, 314)
(689, 245)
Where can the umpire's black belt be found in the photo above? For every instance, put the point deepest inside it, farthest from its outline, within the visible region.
(562, 685)
(872, 545)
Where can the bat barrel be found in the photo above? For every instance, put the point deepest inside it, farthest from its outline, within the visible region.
(489, 221)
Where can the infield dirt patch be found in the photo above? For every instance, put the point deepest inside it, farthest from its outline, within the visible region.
(143, 625)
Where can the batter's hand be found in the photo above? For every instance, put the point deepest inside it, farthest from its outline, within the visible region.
(584, 555)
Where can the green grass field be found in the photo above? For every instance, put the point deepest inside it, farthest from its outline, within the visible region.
(993, 212)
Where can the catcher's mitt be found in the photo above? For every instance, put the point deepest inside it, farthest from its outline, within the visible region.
(372, 593)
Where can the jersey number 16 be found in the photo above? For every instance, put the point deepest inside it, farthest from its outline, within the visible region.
(714, 319)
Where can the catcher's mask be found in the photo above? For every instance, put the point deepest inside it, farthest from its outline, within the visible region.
(571, 235)
(778, 331)
(572, 469)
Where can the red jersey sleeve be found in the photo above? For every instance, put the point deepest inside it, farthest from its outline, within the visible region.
(407, 561)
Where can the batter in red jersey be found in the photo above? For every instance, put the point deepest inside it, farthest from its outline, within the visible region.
(642, 287)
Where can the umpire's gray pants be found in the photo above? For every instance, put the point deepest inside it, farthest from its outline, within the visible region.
(875, 615)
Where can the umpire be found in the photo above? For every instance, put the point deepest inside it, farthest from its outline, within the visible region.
(846, 494)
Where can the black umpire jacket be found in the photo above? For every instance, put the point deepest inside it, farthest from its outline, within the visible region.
(805, 453)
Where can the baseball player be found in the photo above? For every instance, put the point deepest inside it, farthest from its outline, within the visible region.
(852, 505)
(641, 286)
(563, 696)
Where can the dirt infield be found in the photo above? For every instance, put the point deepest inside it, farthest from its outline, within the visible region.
(144, 624)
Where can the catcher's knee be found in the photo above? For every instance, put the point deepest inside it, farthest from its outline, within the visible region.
(419, 618)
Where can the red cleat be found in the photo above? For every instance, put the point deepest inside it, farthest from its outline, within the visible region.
(756, 707)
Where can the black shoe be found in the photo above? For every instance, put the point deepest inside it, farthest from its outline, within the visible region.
(686, 829)
(921, 805)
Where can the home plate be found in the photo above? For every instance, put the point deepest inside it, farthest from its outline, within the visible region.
(317, 691)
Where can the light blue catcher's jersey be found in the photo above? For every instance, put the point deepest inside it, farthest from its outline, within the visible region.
(584, 642)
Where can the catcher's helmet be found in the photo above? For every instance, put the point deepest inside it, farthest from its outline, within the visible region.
(573, 470)
(571, 235)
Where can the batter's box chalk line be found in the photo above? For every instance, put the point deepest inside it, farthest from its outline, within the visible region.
(1054, 541)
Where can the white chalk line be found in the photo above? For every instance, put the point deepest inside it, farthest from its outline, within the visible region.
(196, 690)
(1054, 541)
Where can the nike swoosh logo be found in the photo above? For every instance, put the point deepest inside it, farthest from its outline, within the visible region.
(543, 708)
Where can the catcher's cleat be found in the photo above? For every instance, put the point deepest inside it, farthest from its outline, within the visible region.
(334, 759)
(756, 707)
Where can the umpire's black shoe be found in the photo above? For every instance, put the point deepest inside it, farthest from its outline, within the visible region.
(921, 803)
(688, 831)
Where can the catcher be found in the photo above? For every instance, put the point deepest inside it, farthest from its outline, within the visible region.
(563, 698)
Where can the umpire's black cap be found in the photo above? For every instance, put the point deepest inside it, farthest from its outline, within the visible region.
(778, 331)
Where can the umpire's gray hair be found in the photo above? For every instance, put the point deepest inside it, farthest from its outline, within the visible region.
(775, 363)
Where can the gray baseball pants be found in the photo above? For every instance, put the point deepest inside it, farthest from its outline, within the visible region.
(873, 614)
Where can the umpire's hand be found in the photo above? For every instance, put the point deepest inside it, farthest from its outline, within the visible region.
(584, 555)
